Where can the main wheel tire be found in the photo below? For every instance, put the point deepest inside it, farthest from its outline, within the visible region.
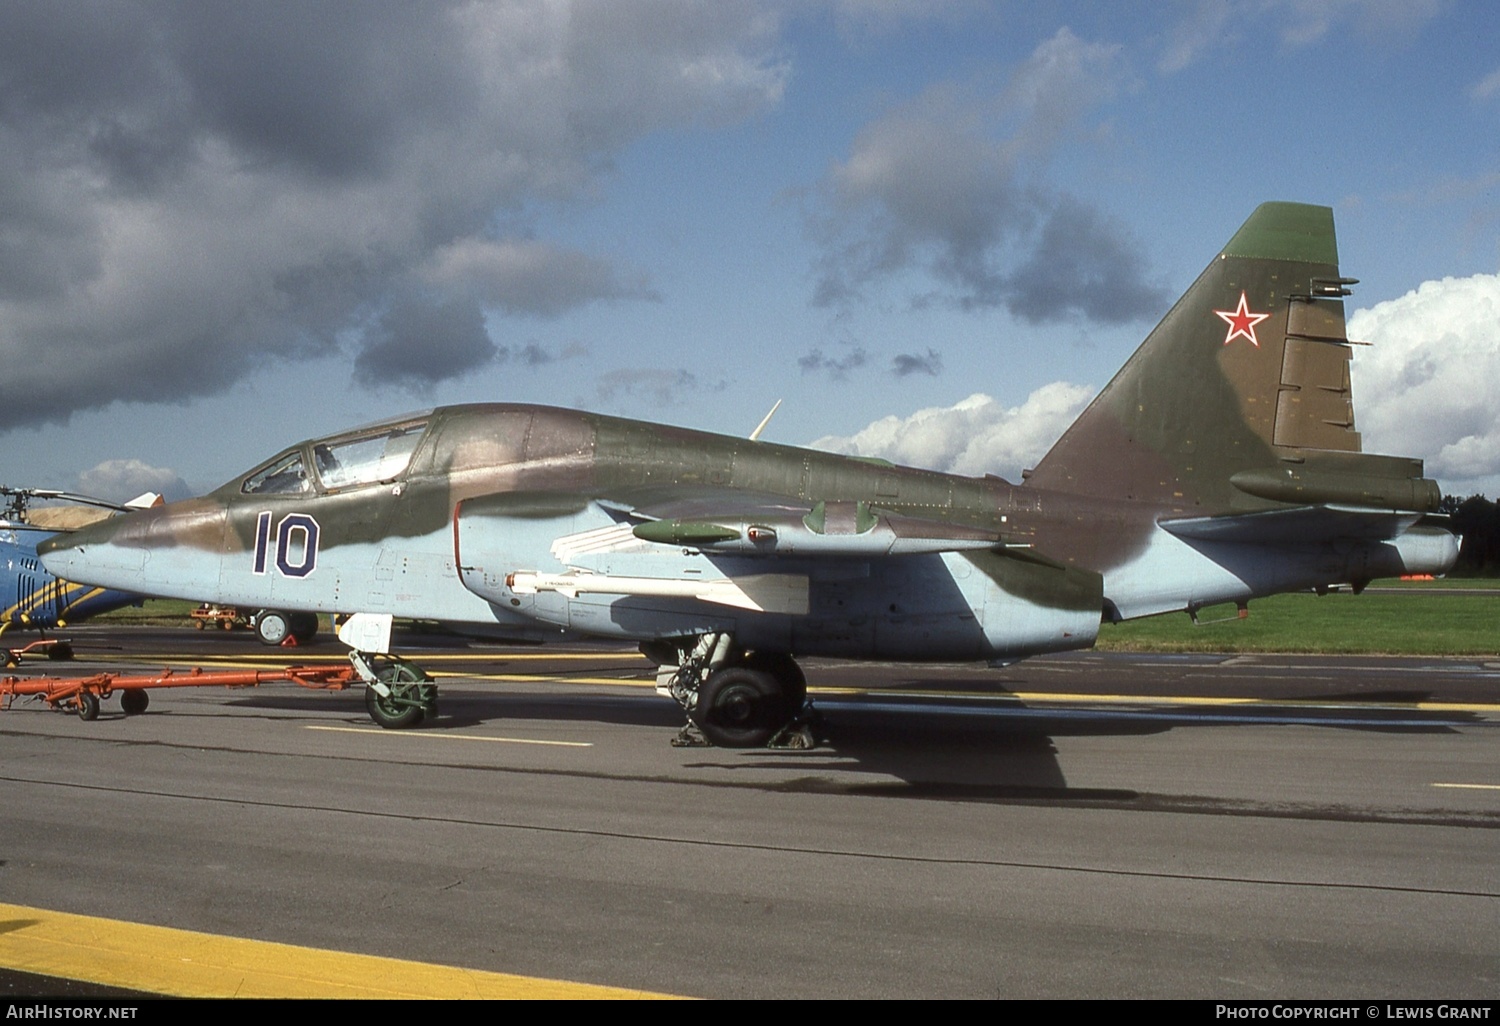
(304, 626)
(61, 651)
(740, 708)
(786, 671)
(133, 701)
(272, 627)
(398, 710)
(88, 705)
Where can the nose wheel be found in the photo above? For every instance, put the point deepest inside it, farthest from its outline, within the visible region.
(398, 694)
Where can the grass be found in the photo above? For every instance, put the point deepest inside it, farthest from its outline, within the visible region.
(1401, 621)
(152, 612)
(1442, 584)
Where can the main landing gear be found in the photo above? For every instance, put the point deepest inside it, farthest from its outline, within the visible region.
(734, 698)
(273, 627)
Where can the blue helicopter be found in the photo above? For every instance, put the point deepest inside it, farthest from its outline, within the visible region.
(30, 597)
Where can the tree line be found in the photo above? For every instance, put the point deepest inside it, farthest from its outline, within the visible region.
(1478, 520)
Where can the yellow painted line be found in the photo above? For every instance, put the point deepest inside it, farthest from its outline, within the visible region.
(543, 657)
(1037, 697)
(539, 678)
(1472, 787)
(1057, 697)
(183, 963)
(1309, 703)
(241, 662)
(1065, 698)
(427, 735)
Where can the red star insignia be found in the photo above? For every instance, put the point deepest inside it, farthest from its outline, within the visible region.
(1241, 322)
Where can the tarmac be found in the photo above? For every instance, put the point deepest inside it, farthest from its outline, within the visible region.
(1090, 825)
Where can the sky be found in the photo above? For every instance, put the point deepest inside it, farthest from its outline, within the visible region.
(932, 229)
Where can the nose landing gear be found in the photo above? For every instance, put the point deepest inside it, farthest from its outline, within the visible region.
(398, 694)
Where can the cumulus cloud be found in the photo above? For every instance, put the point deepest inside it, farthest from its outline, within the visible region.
(976, 436)
(1209, 25)
(1306, 21)
(1487, 87)
(188, 190)
(938, 187)
(1429, 385)
(1202, 27)
(1053, 88)
(857, 18)
(123, 480)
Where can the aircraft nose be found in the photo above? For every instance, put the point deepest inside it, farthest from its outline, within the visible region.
(77, 555)
(146, 551)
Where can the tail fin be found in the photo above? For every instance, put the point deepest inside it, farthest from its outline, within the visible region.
(1239, 399)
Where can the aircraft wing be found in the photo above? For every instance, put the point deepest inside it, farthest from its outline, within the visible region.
(726, 522)
(713, 545)
(823, 530)
(1309, 525)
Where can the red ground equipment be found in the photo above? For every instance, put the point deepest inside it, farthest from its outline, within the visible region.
(83, 694)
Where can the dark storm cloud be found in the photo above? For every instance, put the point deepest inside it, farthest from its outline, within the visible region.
(942, 187)
(1083, 262)
(188, 190)
(420, 341)
(523, 276)
(634, 388)
(534, 355)
(838, 369)
(917, 189)
(911, 363)
(323, 88)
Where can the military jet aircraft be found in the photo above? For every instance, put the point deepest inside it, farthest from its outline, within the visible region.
(1221, 464)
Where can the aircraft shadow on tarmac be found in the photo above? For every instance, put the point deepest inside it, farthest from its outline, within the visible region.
(985, 746)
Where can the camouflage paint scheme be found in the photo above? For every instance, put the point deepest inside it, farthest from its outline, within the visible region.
(1220, 464)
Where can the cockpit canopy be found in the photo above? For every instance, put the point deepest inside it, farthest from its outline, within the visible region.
(373, 455)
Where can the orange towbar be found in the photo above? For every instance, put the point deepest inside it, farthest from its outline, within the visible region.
(83, 694)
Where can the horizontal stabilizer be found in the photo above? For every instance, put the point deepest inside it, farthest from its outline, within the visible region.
(1302, 524)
